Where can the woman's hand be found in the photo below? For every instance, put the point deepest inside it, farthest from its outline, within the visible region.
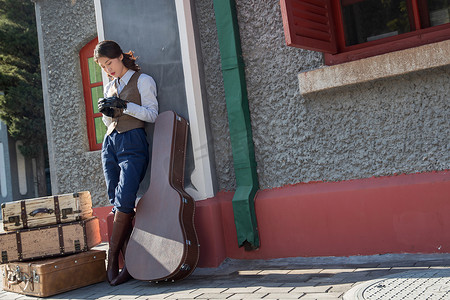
(112, 106)
(112, 102)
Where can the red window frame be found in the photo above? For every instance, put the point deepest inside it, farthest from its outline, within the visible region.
(85, 53)
(317, 25)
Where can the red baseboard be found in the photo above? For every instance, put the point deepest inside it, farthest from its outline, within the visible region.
(396, 214)
(102, 214)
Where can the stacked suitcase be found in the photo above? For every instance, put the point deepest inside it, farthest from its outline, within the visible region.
(46, 245)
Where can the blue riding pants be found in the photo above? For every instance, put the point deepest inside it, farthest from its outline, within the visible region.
(125, 158)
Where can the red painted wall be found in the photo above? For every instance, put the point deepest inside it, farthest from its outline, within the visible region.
(102, 214)
(397, 214)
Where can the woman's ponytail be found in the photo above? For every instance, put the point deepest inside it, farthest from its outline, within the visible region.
(129, 61)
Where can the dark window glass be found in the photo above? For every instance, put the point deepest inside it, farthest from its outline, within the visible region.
(438, 12)
(369, 20)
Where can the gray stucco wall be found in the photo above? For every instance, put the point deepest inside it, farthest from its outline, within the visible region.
(215, 94)
(64, 27)
(378, 128)
(373, 129)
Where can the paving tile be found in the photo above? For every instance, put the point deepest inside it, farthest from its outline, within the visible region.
(241, 284)
(241, 290)
(325, 280)
(209, 284)
(156, 296)
(311, 289)
(283, 277)
(406, 263)
(85, 295)
(300, 277)
(297, 284)
(351, 277)
(276, 290)
(404, 269)
(249, 272)
(248, 296)
(372, 269)
(152, 291)
(265, 283)
(214, 296)
(211, 290)
(378, 273)
(182, 295)
(429, 263)
(283, 296)
(336, 288)
(322, 296)
(305, 271)
(336, 271)
(8, 296)
(180, 289)
(268, 272)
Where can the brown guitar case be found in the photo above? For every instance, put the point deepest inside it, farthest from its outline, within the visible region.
(164, 244)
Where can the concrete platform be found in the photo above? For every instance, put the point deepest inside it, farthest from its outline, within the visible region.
(285, 278)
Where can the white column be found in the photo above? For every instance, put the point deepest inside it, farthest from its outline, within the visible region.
(21, 170)
(202, 177)
(3, 187)
(100, 32)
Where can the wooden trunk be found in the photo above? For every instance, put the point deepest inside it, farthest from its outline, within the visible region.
(31, 213)
(43, 278)
(53, 240)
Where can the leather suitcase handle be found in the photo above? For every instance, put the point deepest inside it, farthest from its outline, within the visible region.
(13, 276)
(17, 277)
(41, 211)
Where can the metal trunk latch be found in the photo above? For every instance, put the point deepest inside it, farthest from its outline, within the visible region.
(15, 220)
(77, 245)
(4, 257)
(65, 212)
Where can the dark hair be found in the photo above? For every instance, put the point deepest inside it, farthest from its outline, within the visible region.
(111, 49)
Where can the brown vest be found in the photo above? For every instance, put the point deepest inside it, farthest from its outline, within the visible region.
(130, 93)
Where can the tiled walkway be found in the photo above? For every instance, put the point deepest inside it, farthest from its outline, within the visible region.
(288, 278)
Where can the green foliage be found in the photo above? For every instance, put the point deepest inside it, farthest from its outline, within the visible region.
(21, 105)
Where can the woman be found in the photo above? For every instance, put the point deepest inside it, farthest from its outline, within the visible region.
(130, 101)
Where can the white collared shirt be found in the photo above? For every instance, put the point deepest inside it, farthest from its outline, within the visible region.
(148, 110)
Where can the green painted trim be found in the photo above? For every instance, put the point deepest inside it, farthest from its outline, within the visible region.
(239, 123)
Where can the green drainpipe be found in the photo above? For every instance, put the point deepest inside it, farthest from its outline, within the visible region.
(239, 124)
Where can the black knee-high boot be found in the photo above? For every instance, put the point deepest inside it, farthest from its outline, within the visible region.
(123, 276)
(121, 228)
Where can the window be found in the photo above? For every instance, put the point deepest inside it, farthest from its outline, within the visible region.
(347, 30)
(93, 90)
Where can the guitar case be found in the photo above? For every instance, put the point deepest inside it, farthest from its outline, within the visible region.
(163, 245)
